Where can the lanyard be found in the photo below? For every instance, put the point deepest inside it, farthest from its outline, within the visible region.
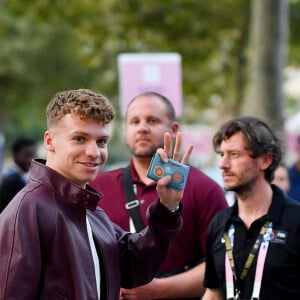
(261, 244)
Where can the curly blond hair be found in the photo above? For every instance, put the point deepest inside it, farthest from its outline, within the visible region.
(82, 102)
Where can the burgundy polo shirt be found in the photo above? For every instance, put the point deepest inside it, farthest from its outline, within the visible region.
(202, 198)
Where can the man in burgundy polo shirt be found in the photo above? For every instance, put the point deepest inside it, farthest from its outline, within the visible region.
(148, 116)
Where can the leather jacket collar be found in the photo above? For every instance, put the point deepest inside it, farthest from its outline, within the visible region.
(68, 191)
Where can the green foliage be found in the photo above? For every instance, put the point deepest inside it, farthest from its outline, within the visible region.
(38, 59)
(294, 45)
(48, 46)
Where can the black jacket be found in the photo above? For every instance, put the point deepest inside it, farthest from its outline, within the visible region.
(10, 186)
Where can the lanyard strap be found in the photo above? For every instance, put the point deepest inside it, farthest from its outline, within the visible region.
(261, 243)
(261, 262)
(132, 205)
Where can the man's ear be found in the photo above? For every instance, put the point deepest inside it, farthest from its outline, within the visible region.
(175, 128)
(266, 160)
(48, 141)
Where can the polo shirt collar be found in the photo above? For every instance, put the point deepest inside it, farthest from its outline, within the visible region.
(277, 205)
(275, 210)
(135, 176)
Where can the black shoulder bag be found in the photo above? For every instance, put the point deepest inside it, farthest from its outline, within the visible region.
(132, 204)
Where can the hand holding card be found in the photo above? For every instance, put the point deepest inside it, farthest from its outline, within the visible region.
(175, 169)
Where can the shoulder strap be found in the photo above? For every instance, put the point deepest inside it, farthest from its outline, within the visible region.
(132, 204)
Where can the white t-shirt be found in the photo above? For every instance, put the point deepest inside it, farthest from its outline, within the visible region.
(95, 256)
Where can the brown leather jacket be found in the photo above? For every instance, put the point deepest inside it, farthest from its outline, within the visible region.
(44, 247)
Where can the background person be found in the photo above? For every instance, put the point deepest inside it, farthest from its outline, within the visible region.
(294, 175)
(253, 248)
(281, 178)
(15, 178)
(148, 116)
(55, 243)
